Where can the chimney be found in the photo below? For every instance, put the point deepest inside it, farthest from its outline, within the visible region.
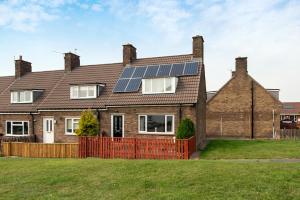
(22, 67)
(241, 65)
(198, 47)
(71, 61)
(129, 54)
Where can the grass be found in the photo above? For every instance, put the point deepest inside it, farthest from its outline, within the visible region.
(252, 149)
(141, 179)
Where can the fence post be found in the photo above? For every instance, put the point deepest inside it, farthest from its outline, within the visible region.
(186, 149)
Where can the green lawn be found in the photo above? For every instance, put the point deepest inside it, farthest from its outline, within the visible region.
(251, 149)
(140, 179)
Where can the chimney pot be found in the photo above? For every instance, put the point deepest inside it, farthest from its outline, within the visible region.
(71, 61)
(198, 49)
(129, 54)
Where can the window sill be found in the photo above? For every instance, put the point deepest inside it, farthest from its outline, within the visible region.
(70, 134)
(17, 135)
(155, 133)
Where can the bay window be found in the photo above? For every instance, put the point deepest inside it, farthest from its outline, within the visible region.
(156, 124)
(71, 125)
(159, 85)
(17, 128)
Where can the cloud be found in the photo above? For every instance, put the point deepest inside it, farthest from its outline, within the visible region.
(26, 15)
(96, 7)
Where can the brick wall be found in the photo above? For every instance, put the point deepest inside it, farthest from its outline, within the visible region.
(229, 113)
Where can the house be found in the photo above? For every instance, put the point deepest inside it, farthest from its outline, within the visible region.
(290, 115)
(243, 108)
(139, 97)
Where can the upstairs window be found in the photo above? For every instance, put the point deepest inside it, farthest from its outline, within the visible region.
(83, 92)
(21, 97)
(159, 85)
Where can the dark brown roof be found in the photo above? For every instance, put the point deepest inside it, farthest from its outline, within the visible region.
(291, 108)
(56, 86)
(5, 82)
(35, 80)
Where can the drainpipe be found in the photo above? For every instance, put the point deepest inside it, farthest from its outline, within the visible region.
(180, 112)
(274, 134)
(32, 122)
(252, 110)
(98, 118)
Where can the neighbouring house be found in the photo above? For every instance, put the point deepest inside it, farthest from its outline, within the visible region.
(290, 115)
(139, 97)
(243, 108)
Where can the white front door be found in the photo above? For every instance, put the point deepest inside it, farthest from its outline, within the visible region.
(48, 130)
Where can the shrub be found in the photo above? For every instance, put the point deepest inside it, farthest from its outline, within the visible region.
(186, 129)
(88, 124)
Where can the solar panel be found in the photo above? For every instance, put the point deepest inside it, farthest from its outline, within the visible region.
(151, 71)
(121, 85)
(177, 69)
(164, 70)
(191, 68)
(134, 85)
(131, 78)
(139, 72)
(127, 72)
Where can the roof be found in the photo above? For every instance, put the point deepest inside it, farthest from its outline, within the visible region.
(56, 86)
(290, 108)
(34, 80)
(274, 93)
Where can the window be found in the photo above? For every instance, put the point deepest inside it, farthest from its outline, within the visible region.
(21, 97)
(83, 92)
(71, 125)
(17, 128)
(159, 85)
(156, 124)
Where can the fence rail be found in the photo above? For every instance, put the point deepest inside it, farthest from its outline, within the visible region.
(136, 148)
(290, 134)
(40, 150)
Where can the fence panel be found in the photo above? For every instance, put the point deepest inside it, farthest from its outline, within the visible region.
(40, 150)
(290, 134)
(136, 148)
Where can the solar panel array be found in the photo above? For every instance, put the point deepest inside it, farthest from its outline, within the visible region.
(131, 78)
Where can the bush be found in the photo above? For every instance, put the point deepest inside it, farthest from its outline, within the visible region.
(186, 129)
(88, 124)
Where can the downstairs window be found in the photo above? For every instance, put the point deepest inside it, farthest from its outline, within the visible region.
(156, 124)
(17, 128)
(71, 125)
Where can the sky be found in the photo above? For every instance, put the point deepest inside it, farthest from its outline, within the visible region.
(265, 31)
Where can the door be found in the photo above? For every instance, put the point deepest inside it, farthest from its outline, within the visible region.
(48, 130)
(117, 125)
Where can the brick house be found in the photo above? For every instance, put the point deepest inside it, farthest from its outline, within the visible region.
(139, 97)
(243, 108)
(290, 115)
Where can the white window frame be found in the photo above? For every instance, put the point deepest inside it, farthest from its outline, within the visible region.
(11, 128)
(174, 81)
(72, 96)
(66, 125)
(157, 133)
(18, 96)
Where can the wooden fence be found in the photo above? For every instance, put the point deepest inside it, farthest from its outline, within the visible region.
(40, 150)
(136, 148)
(290, 134)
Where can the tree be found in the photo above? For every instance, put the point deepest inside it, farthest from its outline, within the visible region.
(88, 124)
(186, 129)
